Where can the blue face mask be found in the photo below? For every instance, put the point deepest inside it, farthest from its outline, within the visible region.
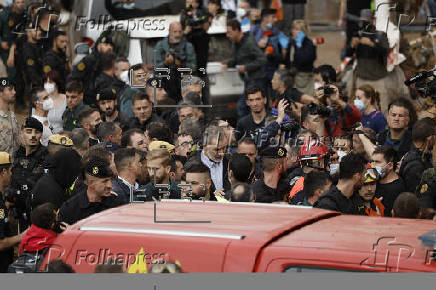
(269, 25)
(129, 5)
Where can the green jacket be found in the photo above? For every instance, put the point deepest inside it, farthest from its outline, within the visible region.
(184, 50)
(69, 118)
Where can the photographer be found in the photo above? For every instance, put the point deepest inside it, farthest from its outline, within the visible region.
(174, 50)
(7, 241)
(343, 115)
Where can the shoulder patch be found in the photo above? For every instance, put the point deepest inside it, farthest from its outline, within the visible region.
(47, 68)
(30, 62)
(2, 214)
(424, 188)
(81, 66)
(11, 23)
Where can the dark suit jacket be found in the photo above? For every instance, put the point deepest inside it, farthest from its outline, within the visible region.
(120, 188)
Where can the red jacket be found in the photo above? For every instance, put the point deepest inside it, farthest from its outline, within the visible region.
(348, 117)
(36, 239)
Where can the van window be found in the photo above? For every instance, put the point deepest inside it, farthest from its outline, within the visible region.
(310, 269)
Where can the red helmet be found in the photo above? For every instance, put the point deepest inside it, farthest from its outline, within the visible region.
(313, 149)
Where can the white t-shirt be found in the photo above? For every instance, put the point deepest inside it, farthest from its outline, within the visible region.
(46, 133)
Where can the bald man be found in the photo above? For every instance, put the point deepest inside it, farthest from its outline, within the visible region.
(174, 50)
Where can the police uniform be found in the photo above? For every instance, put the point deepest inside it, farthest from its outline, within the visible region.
(263, 193)
(6, 256)
(426, 191)
(57, 61)
(70, 118)
(31, 65)
(79, 207)
(9, 131)
(87, 71)
(27, 169)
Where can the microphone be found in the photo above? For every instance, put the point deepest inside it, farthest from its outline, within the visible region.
(422, 75)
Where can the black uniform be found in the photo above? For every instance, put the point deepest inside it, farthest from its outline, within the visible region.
(78, 207)
(57, 61)
(6, 256)
(413, 166)
(333, 199)
(264, 193)
(87, 71)
(426, 191)
(31, 65)
(134, 123)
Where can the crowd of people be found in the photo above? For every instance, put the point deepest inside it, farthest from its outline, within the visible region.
(93, 139)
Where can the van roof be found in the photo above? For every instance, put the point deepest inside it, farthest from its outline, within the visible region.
(240, 221)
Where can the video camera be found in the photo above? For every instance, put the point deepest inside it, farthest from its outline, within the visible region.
(323, 111)
(19, 203)
(425, 86)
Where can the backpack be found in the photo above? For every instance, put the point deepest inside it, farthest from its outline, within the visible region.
(28, 262)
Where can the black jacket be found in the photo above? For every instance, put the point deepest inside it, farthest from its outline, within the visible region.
(401, 146)
(78, 207)
(413, 166)
(333, 199)
(304, 56)
(133, 123)
(57, 62)
(120, 188)
(64, 168)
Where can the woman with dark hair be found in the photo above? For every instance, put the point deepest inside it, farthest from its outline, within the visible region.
(52, 83)
(368, 102)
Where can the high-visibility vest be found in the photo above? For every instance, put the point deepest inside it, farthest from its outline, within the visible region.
(298, 186)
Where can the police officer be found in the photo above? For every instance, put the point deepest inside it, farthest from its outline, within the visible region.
(94, 198)
(7, 241)
(426, 191)
(74, 96)
(56, 58)
(89, 68)
(28, 165)
(30, 61)
(274, 165)
(9, 130)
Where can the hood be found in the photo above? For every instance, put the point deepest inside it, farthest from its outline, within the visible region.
(36, 239)
(65, 167)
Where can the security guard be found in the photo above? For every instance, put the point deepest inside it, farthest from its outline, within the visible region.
(7, 241)
(426, 191)
(30, 60)
(89, 67)
(56, 58)
(273, 165)
(96, 197)
(9, 130)
(28, 165)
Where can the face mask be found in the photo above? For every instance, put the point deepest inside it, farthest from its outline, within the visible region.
(341, 154)
(317, 85)
(334, 168)
(49, 87)
(124, 76)
(269, 25)
(240, 13)
(48, 104)
(380, 171)
(359, 104)
(129, 5)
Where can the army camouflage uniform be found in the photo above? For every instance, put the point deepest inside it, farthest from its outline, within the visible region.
(9, 133)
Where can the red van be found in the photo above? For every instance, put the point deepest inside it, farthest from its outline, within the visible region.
(244, 237)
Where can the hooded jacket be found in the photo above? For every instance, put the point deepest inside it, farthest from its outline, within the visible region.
(64, 167)
(36, 239)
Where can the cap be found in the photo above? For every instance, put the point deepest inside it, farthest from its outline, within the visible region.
(274, 152)
(371, 174)
(106, 39)
(267, 11)
(5, 158)
(99, 169)
(106, 94)
(58, 139)
(5, 82)
(161, 144)
(33, 123)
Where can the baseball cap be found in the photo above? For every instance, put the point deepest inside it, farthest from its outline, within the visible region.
(161, 144)
(59, 139)
(5, 158)
(99, 169)
(33, 123)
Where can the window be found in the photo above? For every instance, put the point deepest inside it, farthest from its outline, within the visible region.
(313, 269)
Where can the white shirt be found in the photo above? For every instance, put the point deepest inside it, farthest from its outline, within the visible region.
(216, 171)
(46, 133)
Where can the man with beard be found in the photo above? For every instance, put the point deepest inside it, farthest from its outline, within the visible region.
(351, 177)
(54, 187)
(56, 58)
(107, 78)
(97, 196)
(134, 138)
(74, 99)
(198, 180)
(419, 158)
(28, 165)
(274, 165)
(161, 185)
(89, 67)
(10, 132)
(90, 119)
(107, 103)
